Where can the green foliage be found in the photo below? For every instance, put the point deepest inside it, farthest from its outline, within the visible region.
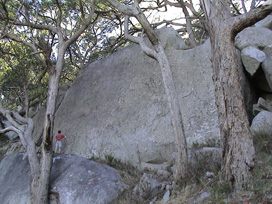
(19, 75)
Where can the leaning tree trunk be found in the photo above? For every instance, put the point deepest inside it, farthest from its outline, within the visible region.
(174, 107)
(237, 143)
(40, 183)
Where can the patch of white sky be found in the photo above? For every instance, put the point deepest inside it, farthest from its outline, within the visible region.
(176, 14)
(172, 13)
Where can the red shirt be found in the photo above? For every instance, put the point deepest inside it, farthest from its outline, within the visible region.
(59, 137)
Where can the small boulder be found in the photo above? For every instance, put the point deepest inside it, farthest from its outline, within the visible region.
(253, 36)
(262, 124)
(252, 58)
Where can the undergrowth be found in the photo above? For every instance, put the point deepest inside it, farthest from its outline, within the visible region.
(197, 184)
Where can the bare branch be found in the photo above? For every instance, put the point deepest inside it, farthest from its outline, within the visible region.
(150, 52)
(10, 119)
(59, 19)
(10, 128)
(188, 23)
(244, 6)
(128, 10)
(19, 118)
(253, 4)
(238, 23)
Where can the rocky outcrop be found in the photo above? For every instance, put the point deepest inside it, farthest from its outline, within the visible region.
(73, 180)
(118, 106)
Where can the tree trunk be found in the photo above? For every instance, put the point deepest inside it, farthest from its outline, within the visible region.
(237, 143)
(31, 148)
(40, 183)
(173, 103)
(238, 150)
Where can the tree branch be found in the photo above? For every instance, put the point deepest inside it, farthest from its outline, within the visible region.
(83, 27)
(10, 128)
(150, 52)
(10, 119)
(238, 23)
(128, 10)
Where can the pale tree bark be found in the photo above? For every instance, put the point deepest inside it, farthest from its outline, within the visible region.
(23, 127)
(238, 150)
(157, 52)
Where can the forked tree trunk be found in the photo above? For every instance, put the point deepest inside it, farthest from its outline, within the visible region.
(238, 150)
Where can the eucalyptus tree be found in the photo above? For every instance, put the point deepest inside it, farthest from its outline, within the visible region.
(237, 144)
(157, 52)
(48, 28)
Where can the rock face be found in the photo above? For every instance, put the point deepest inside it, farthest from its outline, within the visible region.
(73, 180)
(118, 106)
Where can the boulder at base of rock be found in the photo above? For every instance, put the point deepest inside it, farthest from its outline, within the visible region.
(252, 58)
(267, 68)
(74, 179)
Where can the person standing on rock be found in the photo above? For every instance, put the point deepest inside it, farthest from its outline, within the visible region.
(59, 137)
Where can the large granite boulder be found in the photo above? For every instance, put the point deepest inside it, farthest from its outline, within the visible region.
(75, 180)
(118, 106)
